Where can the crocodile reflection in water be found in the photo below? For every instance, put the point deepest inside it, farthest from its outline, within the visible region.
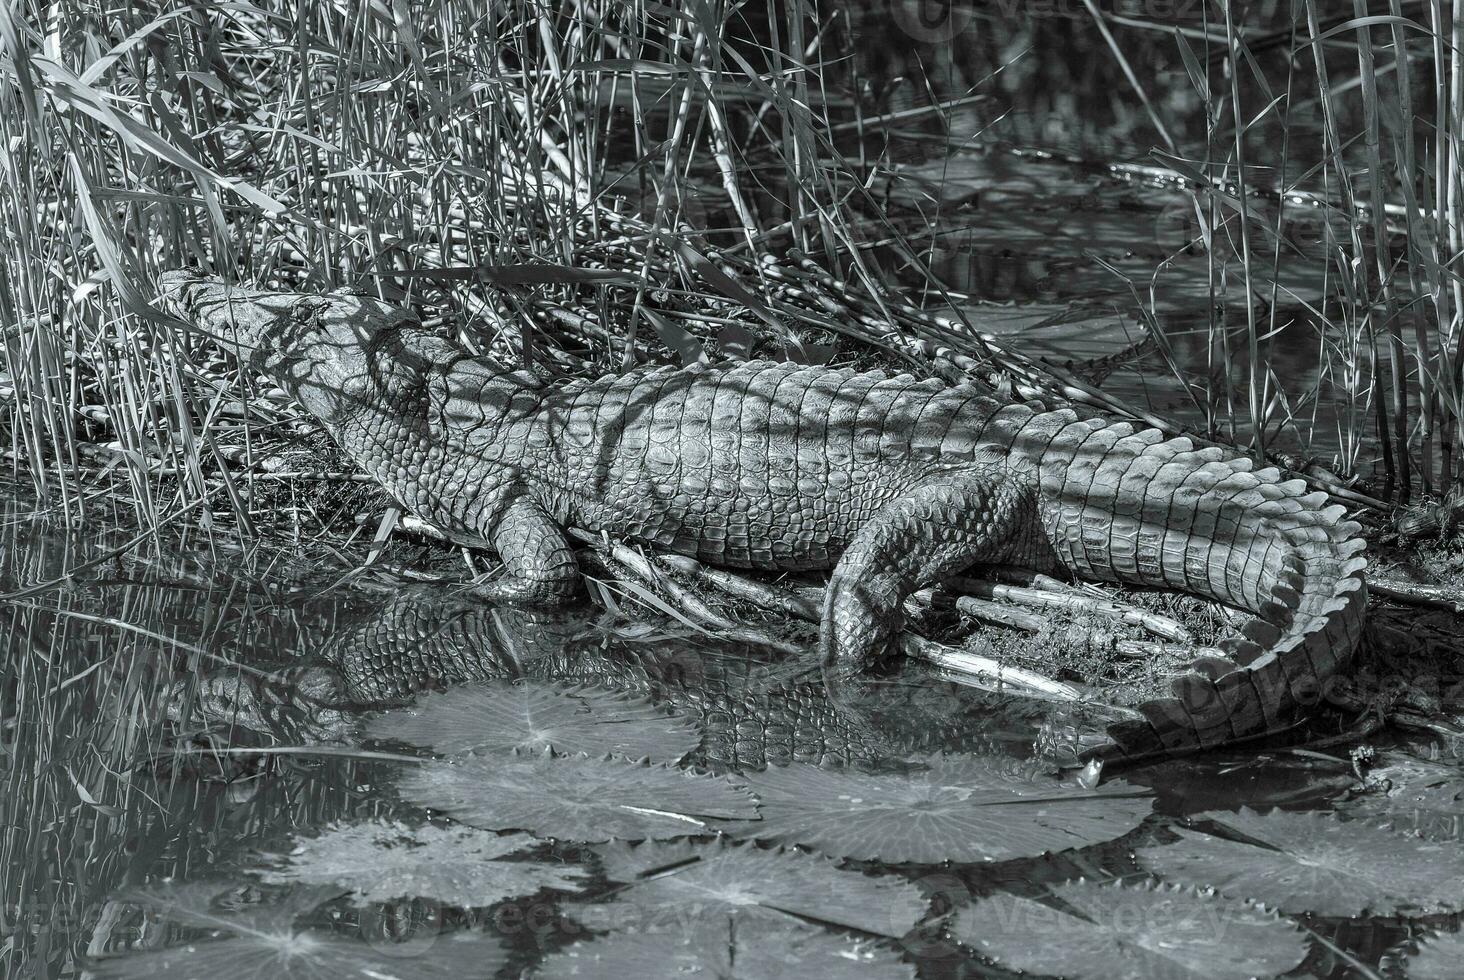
(754, 708)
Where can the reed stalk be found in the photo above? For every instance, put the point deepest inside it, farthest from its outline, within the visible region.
(348, 145)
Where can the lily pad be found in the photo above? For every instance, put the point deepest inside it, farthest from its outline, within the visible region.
(963, 808)
(262, 942)
(1315, 863)
(307, 954)
(1132, 933)
(381, 861)
(532, 717)
(578, 798)
(747, 951)
(1437, 958)
(683, 882)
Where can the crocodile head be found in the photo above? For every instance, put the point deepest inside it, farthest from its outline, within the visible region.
(337, 355)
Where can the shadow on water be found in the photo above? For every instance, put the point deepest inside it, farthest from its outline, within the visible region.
(180, 717)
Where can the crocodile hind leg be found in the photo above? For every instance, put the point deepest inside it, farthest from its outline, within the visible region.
(538, 565)
(940, 527)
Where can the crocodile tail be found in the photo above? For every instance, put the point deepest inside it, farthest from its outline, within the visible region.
(1130, 506)
(1306, 630)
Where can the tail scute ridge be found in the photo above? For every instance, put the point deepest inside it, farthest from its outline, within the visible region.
(1302, 573)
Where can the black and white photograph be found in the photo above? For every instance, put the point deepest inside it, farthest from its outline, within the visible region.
(663, 489)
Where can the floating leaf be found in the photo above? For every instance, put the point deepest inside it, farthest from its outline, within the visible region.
(634, 862)
(1320, 864)
(382, 861)
(262, 942)
(963, 808)
(308, 954)
(670, 883)
(1438, 958)
(534, 716)
(576, 797)
(1123, 933)
(729, 949)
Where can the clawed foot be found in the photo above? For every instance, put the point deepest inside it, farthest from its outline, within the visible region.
(861, 618)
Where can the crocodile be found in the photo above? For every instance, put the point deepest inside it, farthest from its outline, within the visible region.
(752, 708)
(892, 482)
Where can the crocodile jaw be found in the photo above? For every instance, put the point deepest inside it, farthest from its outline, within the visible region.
(337, 356)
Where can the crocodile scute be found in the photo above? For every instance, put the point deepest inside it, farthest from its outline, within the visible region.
(891, 482)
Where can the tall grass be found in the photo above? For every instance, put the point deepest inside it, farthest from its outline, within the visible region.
(1363, 118)
(328, 145)
(345, 144)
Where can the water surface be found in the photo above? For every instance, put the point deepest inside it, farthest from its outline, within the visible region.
(181, 716)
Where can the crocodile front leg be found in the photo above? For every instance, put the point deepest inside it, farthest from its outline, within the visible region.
(539, 567)
(951, 521)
